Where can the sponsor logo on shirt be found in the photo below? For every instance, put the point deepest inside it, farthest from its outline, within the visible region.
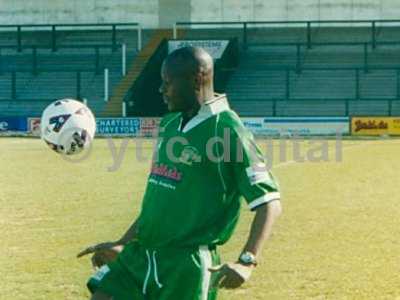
(161, 183)
(162, 170)
(189, 155)
(258, 173)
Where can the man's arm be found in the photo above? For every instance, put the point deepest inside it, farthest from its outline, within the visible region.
(233, 275)
(112, 248)
(261, 227)
(261, 191)
(129, 235)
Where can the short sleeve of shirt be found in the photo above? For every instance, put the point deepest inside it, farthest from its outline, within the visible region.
(255, 183)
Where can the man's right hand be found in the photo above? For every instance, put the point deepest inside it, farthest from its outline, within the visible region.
(104, 253)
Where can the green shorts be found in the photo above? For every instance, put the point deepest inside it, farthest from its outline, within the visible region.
(163, 274)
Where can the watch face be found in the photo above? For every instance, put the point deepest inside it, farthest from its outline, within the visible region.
(247, 258)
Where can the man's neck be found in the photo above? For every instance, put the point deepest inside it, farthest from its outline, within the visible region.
(189, 114)
(208, 95)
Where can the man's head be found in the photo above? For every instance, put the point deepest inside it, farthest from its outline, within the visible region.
(187, 79)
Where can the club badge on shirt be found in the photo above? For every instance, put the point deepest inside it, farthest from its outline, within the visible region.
(189, 155)
(258, 173)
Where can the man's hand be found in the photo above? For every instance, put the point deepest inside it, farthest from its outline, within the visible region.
(231, 275)
(104, 253)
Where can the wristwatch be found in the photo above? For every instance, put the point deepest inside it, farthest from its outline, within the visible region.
(248, 259)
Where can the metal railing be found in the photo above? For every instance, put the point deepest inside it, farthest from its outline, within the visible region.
(76, 75)
(354, 73)
(308, 25)
(35, 67)
(347, 111)
(53, 29)
(301, 48)
(309, 40)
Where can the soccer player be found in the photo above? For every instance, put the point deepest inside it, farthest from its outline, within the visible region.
(204, 162)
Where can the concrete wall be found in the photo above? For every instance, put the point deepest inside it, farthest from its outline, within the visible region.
(154, 13)
(171, 11)
(284, 10)
(79, 11)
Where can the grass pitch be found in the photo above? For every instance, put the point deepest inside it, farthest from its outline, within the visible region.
(338, 237)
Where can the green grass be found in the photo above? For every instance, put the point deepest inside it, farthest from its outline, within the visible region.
(338, 237)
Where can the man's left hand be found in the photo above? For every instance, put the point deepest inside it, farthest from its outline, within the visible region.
(231, 275)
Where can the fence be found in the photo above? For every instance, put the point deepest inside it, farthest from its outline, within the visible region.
(54, 29)
(76, 76)
(35, 67)
(373, 25)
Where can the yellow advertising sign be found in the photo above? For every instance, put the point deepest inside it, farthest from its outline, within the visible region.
(375, 126)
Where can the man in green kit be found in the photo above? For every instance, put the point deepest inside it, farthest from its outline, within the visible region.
(205, 161)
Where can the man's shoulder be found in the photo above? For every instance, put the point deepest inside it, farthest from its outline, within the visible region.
(230, 119)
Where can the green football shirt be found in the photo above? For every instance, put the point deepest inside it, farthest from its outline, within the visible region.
(198, 176)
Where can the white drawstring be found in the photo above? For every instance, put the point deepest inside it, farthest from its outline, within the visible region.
(148, 272)
(155, 271)
(146, 281)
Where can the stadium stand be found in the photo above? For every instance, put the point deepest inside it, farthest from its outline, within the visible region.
(338, 74)
(33, 73)
(285, 69)
(326, 71)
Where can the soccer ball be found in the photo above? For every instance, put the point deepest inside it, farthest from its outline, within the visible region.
(67, 126)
